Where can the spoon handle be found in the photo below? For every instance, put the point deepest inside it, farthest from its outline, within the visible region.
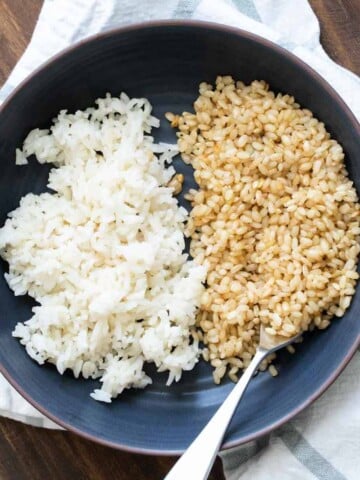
(199, 457)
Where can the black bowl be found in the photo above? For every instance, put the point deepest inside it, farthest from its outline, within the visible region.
(165, 62)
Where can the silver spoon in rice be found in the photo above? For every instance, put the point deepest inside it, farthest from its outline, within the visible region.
(199, 457)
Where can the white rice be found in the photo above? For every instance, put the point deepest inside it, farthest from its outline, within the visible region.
(103, 254)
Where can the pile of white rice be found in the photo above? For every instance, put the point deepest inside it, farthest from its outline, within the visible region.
(103, 254)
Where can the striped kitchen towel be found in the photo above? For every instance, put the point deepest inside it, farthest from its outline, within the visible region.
(323, 442)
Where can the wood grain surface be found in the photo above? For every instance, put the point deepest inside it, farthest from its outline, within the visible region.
(28, 453)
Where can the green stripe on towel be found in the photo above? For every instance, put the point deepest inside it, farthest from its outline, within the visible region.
(307, 455)
(248, 8)
(185, 8)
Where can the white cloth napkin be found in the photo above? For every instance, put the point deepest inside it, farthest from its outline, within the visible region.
(323, 442)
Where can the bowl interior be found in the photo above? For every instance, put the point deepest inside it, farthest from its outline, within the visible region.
(165, 63)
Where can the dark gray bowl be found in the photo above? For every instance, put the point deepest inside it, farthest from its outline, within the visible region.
(165, 62)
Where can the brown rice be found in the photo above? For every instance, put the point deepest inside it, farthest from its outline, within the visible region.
(275, 219)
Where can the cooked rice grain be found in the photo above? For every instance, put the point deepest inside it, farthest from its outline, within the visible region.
(103, 253)
(275, 219)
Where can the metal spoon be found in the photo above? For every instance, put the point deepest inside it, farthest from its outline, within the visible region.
(199, 457)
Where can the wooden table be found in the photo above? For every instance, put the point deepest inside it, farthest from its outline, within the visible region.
(28, 453)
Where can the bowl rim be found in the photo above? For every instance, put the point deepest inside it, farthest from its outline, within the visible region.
(200, 24)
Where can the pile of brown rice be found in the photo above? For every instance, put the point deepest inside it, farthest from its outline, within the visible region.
(275, 219)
